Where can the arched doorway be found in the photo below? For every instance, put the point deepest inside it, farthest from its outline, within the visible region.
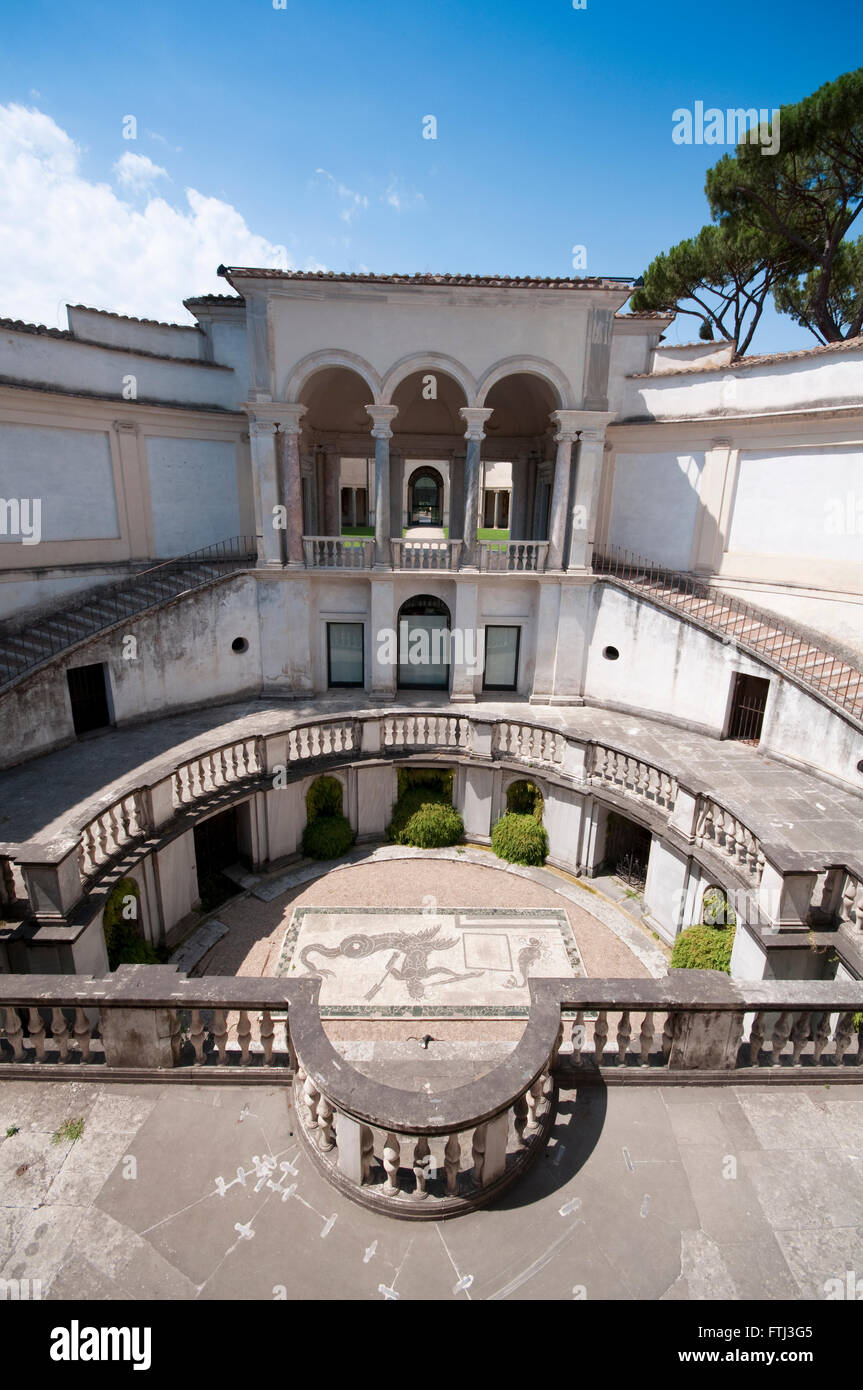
(424, 643)
(425, 497)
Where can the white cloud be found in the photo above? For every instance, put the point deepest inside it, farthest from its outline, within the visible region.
(64, 238)
(355, 202)
(401, 198)
(136, 172)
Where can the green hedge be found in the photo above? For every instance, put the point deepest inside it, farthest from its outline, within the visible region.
(715, 909)
(429, 779)
(520, 839)
(324, 798)
(703, 948)
(327, 837)
(123, 939)
(433, 826)
(524, 799)
(408, 804)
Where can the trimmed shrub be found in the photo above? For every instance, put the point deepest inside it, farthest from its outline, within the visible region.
(123, 939)
(524, 799)
(432, 826)
(327, 837)
(519, 839)
(324, 798)
(703, 947)
(409, 802)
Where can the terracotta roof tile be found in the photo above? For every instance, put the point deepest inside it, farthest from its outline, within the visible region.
(821, 349)
(18, 326)
(490, 281)
(130, 318)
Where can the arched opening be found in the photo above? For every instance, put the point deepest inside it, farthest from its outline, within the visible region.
(337, 454)
(425, 497)
(524, 798)
(424, 643)
(518, 455)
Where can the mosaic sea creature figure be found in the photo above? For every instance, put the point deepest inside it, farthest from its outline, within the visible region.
(414, 948)
(527, 956)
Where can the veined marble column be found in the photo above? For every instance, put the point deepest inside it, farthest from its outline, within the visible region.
(518, 499)
(382, 417)
(309, 478)
(292, 487)
(567, 428)
(588, 476)
(332, 493)
(474, 417)
(262, 436)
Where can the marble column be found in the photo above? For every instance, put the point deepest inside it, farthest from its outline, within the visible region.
(262, 436)
(518, 498)
(292, 488)
(585, 501)
(309, 476)
(567, 427)
(474, 418)
(332, 493)
(382, 417)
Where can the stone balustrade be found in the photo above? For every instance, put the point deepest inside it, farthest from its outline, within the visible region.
(55, 877)
(425, 555)
(426, 1154)
(512, 557)
(631, 776)
(338, 553)
(719, 830)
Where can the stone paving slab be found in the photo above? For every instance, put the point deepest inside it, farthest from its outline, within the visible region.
(785, 805)
(633, 1199)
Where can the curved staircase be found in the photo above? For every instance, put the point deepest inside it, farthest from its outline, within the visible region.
(24, 648)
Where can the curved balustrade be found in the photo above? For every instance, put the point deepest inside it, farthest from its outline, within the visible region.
(720, 830)
(210, 772)
(425, 1154)
(851, 903)
(529, 743)
(632, 776)
(109, 832)
(424, 731)
(425, 555)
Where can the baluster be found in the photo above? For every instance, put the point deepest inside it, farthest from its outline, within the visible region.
(392, 1154)
(624, 1033)
(756, 1038)
(60, 1033)
(311, 1097)
(14, 1032)
(646, 1038)
(325, 1125)
(534, 1096)
(520, 1122)
(822, 1036)
(196, 1036)
(799, 1036)
(555, 1051)
(600, 1033)
(37, 1033)
(267, 1034)
(82, 1034)
(780, 1036)
(578, 1038)
(452, 1163)
(420, 1165)
(244, 1036)
(668, 1034)
(843, 1036)
(220, 1034)
(478, 1152)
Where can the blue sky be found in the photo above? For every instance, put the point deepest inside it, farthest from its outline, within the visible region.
(302, 128)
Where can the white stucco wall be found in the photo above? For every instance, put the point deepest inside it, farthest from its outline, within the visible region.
(795, 502)
(70, 471)
(194, 493)
(655, 504)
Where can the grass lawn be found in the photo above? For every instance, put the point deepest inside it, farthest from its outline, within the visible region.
(358, 530)
(484, 533)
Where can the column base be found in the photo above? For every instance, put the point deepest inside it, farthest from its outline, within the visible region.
(459, 699)
(564, 700)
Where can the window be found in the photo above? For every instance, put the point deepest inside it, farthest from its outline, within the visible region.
(345, 664)
(501, 658)
(424, 643)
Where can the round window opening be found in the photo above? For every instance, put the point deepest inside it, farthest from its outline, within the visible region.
(611, 653)
(860, 765)
(239, 644)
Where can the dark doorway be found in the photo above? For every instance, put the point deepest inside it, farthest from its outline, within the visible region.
(88, 695)
(216, 849)
(627, 849)
(747, 708)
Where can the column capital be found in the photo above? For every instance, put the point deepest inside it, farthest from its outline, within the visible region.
(290, 418)
(261, 428)
(475, 417)
(382, 417)
(566, 424)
